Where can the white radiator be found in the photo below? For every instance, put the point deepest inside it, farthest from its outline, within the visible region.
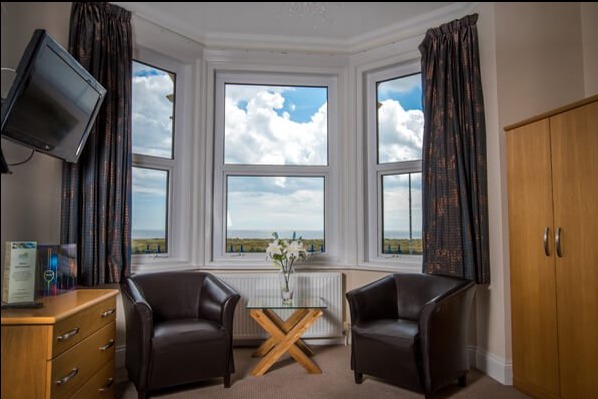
(328, 286)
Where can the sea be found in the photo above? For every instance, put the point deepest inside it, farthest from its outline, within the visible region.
(308, 234)
(141, 233)
(266, 234)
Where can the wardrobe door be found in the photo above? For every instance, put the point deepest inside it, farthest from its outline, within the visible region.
(533, 299)
(575, 189)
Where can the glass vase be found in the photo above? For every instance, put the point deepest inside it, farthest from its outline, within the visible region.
(286, 280)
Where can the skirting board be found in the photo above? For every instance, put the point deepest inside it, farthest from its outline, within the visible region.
(120, 373)
(494, 366)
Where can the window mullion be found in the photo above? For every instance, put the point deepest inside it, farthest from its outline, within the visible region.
(266, 170)
(400, 167)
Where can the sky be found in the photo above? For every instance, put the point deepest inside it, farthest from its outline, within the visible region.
(273, 125)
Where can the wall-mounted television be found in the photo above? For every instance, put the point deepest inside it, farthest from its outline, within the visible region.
(53, 101)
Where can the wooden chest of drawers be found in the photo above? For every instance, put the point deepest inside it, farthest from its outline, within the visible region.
(63, 350)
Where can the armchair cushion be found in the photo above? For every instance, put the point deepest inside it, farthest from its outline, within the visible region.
(391, 342)
(176, 341)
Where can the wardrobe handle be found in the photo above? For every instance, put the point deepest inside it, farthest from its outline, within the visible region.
(557, 240)
(545, 239)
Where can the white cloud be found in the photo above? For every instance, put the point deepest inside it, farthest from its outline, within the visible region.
(276, 211)
(152, 113)
(276, 203)
(243, 93)
(400, 132)
(149, 199)
(149, 182)
(259, 134)
(280, 181)
(401, 85)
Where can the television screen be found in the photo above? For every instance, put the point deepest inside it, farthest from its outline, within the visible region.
(53, 101)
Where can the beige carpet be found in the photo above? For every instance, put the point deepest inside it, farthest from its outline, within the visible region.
(288, 380)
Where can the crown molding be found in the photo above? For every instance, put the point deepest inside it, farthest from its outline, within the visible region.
(410, 28)
(302, 44)
(151, 35)
(377, 38)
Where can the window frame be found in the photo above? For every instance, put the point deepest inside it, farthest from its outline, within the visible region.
(221, 171)
(153, 165)
(375, 172)
(177, 225)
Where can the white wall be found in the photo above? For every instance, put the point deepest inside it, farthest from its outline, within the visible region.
(492, 302)
(589, 31)
(545, 70)
(31, 194)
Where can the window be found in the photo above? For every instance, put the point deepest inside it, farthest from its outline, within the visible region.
(273, 168)
(395, 136)
(153, 108)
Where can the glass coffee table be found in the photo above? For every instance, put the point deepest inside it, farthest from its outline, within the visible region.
(285, 336)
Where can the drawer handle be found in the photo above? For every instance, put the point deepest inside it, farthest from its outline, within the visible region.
(107, 346)
(68, 377)
(108, 312)
(69, 334)
(107, 386)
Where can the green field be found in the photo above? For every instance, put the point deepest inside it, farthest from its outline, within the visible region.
(148, 246)
(401, 246)
(158, 245)
(260, 245)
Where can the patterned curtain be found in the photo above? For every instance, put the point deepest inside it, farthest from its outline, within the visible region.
(454, 182)
(96, 192)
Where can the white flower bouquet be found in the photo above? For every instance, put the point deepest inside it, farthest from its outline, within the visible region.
(283, 254)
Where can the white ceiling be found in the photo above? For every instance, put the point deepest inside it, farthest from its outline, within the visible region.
(338, 23)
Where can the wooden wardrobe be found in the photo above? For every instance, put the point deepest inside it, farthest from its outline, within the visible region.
(552, 163)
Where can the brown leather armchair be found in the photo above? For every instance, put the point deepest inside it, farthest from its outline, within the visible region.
(179, 329)
(411, 329)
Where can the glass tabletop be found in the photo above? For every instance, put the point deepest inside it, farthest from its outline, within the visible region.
(265, 302)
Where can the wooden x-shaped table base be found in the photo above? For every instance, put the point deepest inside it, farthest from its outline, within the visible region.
(285, 337)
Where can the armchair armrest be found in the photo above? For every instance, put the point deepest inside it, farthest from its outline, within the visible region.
(139, 331)
(217, 302)
(377, 300)
(140, 305)
(443, 326)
